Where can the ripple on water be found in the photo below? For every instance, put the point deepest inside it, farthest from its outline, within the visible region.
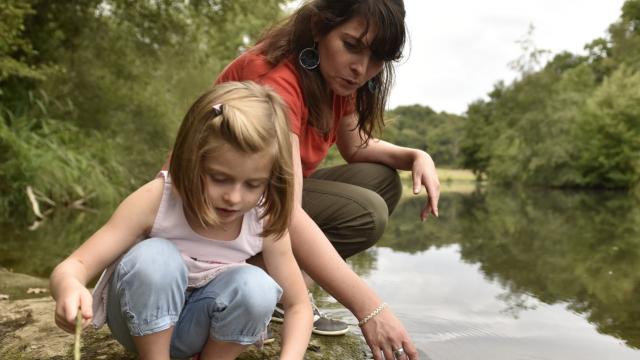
(439, 338)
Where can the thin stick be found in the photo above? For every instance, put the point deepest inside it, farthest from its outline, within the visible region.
(76, 346)
(34, 203)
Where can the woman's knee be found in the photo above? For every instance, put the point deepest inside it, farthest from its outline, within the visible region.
(378, 220)
(387, 184)
(378, 178)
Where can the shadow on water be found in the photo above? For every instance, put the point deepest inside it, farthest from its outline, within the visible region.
(577, 248)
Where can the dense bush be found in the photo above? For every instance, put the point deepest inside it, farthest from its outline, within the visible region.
(573, 123)
(125, 72)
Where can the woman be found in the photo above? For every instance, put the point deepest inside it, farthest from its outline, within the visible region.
(331, 62)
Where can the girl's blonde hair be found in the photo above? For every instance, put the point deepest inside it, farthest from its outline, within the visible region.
(251, 118)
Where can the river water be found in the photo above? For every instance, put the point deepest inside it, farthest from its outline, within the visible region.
(502, 274)
(506, 274)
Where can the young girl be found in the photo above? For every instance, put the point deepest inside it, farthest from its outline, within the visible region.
(186, 289)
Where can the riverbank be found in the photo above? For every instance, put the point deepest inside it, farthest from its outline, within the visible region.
(28, 331)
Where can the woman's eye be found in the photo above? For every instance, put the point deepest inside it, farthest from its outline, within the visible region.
(350, 46)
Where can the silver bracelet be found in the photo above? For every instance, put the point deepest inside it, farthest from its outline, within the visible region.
(375, 312)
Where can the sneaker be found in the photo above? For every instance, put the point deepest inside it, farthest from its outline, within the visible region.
(322, 325)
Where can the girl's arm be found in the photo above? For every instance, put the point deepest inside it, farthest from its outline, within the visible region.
(298, 318)
(130, 222)
(422, 168)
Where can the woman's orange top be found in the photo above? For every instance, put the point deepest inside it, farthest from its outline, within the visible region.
(285, 80)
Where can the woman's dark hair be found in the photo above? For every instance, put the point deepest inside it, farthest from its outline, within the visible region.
(288, 38)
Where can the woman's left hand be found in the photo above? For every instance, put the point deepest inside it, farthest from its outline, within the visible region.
(385, 334)
(423, 173)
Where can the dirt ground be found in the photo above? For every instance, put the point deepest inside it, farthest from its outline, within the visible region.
(28, 331)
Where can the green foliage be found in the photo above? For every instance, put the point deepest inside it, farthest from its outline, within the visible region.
(126, 70)
(59, 161)
(333, 158)
(475, 146)
(523, 134)
(609, 132)
(420, 127)
(572, 123)
(14, 49)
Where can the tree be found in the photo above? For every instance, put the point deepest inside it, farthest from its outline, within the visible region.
(420, 127)
(573, 122)
(609, 132)
(15, 50)
(118, 75)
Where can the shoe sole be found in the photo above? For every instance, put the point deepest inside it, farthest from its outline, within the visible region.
(316, 331)
(330, 333)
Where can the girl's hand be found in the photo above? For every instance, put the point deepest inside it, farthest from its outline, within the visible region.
(72, 297)
(423, 172)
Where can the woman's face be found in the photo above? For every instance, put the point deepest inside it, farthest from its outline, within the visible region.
(346, 61)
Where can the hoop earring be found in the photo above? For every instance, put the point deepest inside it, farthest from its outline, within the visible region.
(309, 58)
(372, 85)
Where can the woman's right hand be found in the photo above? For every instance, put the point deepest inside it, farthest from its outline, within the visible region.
(73, 296)
(384, 333)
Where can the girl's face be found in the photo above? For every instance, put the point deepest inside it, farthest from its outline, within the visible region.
(236, 181)
(346, 61)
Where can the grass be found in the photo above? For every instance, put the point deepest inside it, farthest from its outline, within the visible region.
(451, 181)
(450, 175)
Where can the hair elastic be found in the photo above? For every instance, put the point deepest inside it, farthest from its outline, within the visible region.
(217, 108)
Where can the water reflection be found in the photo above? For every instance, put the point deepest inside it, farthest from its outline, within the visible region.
(581, 250)
(454, 313)
(38, 252)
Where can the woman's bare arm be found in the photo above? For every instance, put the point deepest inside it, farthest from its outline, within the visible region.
(319, 259)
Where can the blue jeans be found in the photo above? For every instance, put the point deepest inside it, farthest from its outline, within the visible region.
(148, 293)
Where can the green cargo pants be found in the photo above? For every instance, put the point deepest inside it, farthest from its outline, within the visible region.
(352, 203)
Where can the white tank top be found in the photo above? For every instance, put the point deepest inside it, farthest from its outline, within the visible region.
(205, 258)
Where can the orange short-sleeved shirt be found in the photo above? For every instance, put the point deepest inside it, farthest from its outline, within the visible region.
(284, 79)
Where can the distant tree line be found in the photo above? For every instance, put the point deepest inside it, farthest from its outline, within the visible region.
(92, 91)
(573, 123)
(420, 127)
